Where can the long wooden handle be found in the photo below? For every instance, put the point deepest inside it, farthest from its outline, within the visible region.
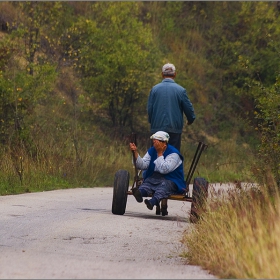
(133, 140)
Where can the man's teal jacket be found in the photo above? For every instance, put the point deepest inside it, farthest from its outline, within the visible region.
(166, 104)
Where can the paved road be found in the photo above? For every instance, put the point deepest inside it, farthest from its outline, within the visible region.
(72, 234)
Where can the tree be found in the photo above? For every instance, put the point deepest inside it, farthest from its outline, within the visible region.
(267, 115)
(116, 58)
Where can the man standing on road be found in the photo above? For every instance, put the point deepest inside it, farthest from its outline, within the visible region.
(167, 103)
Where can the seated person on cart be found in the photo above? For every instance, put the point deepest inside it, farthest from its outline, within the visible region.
(164, 173)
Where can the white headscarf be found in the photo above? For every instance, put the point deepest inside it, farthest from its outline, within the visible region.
(161, 135)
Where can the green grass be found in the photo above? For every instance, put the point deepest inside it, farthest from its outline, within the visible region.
(59, 166)
(36, 182)
(223, 162)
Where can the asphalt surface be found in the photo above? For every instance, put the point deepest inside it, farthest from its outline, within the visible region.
(72, 234)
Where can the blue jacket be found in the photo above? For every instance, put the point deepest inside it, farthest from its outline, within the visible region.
(166, 104)
(177, 176)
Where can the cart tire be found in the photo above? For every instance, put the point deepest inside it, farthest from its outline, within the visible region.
(121, 183)
(199, 198)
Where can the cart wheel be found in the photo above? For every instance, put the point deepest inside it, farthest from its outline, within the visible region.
(199, 197)
(121, 183)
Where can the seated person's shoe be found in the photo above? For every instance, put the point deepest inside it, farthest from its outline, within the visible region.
(149, 204)
(137, 194)
(157, 210)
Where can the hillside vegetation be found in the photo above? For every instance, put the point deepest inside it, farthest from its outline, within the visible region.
(74, 83)
(75, 78)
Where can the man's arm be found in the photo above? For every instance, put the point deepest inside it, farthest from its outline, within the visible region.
(188, 108)
(150, 106)
(168, 164)
(143, 163)
(140, 163)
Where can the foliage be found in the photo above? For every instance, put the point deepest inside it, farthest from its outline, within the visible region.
(20, 92)
(267, 116)
(111, 62)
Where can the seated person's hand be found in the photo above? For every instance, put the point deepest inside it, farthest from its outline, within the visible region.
(159, 146)
(132, 147)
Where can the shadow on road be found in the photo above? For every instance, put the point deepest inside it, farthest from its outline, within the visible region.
(151, 216)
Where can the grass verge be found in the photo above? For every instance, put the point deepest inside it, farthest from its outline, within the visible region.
(238, 235)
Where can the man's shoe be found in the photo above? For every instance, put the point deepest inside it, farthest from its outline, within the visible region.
(149, 205)
(137, 194)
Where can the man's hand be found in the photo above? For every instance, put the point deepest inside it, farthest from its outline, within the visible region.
(159, 146)
(133, 148)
